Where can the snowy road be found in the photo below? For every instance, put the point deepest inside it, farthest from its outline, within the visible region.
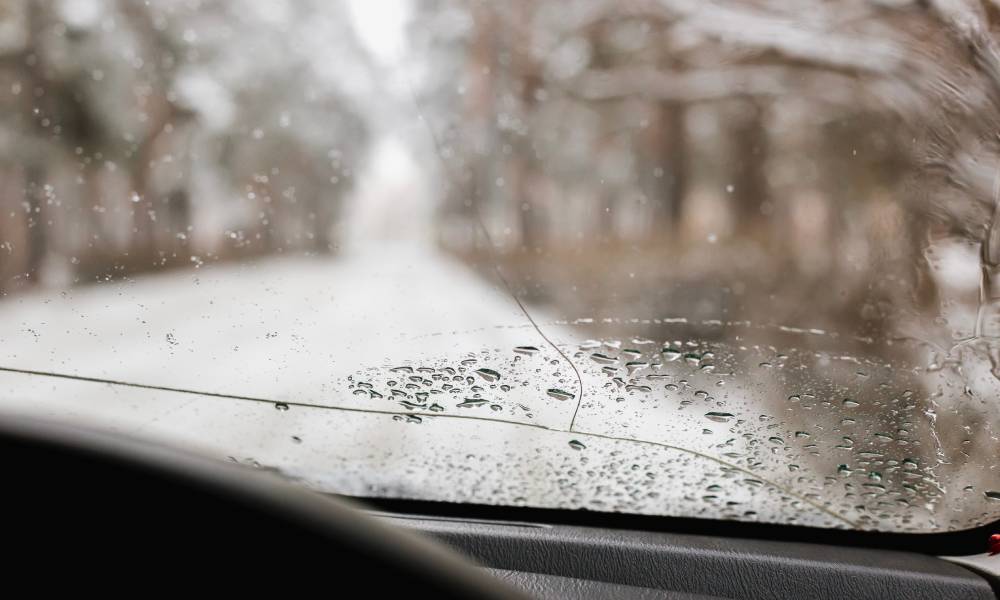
(321, 346)
(291, 329)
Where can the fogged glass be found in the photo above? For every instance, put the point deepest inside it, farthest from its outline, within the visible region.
(730, 260)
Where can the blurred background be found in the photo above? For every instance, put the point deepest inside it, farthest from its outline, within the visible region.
(800, 195)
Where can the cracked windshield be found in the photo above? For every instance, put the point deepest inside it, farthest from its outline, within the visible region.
(726, 260)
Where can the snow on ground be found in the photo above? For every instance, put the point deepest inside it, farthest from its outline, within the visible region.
(291, 328)
(306, 331)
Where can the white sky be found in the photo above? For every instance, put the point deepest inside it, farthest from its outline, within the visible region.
(381, 25)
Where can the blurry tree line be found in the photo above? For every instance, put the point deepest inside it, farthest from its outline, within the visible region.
(141, 135)
(819, 146)
(787, 162)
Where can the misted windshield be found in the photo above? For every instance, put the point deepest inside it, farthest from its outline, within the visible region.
(731, 260)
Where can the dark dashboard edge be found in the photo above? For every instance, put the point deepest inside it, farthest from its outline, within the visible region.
(955, 543)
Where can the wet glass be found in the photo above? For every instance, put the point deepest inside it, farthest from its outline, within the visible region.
(729, 260)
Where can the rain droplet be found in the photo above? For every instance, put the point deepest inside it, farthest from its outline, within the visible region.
(526, 350)
(559, 394)
(671, 354)
(603, 359)
(471, 402)
(577, 445)
(488, 374)
(719, 417)
(991, 495)
(281, 406)
(635, 365)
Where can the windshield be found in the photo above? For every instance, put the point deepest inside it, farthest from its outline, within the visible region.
(728, 260)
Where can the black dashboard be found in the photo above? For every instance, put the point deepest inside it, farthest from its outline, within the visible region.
(559, 561)
(87, 511)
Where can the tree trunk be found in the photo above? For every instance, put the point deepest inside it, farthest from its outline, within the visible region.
(37, 238)
(748, 186)
(673, 181)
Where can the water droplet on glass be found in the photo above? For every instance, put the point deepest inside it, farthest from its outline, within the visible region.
(603, 359)
(635, 365)
(471, 402)
(577, 445)
(488, 374)
(671, 354)
(559, 394)
(281, 406)
(720, 417)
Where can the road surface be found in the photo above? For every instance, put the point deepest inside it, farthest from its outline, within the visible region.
(389, 368)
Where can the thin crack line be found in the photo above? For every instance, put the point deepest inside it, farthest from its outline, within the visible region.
(289, 403)
(431, 416)
(493, 257)
(730, 465)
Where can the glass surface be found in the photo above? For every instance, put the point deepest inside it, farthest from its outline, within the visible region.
(730, 260)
